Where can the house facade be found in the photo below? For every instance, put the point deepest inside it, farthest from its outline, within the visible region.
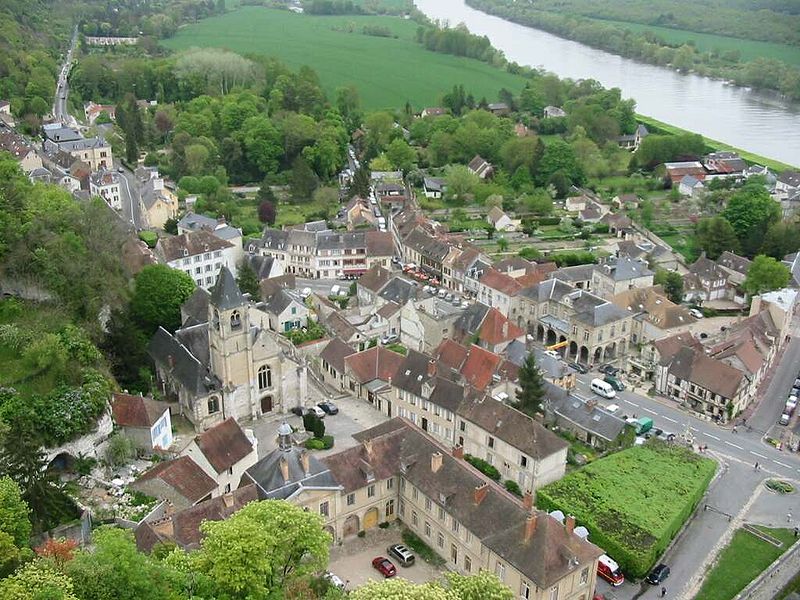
(106, 185)
(200, 254)
(146, 422)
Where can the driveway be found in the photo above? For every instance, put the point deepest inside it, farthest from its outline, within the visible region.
(352, 561)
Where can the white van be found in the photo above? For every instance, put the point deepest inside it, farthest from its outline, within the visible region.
(601, 388)
(335, 290)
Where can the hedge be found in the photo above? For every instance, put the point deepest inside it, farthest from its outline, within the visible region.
(633, 502)
(483, 466)
(548, 220)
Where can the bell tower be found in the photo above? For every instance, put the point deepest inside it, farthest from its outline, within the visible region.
(230, 342)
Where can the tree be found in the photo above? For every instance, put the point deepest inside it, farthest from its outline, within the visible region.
(559, 156)
(37, 580)
(125, 346)
(15, 526)
(482, 586)
(115, 569)
(531, 383)
(401, 155)
(715, 235)
(171, 226)
(360, 184)
(159, 292)
(782, 238)
(248, 280)
(262, 143)
(672, 283)
(266, 544)
(267, 212)
(502, 244)
(764, 275)
(303, 180)
(461, 182)
(751, 210)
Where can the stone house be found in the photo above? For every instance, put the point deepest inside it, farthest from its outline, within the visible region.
(618, 275)
(145, 421)
(199, 254)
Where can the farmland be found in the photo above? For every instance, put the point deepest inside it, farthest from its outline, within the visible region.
(633, 502)
(705, 42)
(386, 71)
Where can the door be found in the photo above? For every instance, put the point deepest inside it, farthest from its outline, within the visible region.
(424, 424)
(266, 404)
(371, 518)
(389, 408)
(351, 526)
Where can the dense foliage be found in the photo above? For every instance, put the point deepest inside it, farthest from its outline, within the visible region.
(628, 516)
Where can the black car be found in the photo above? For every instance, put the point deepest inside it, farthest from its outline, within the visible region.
(299, 411)
(608, 370)
(658, 574)
(329, 407)
(579, 368)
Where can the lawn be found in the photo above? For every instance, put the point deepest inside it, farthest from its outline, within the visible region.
(387, 71)
(633, 502)
(741, 561)
(748, 49)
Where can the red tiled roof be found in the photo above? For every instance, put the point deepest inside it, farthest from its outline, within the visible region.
(136, 411)
(501, 282)
(496, 328)
(451, 354)
(479, 367)
(182, 475)
(224, 445)
(380, 243)
(374, 363)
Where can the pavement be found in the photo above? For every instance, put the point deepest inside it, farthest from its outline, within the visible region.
(62, 86)
(131, 199)
(352, 561)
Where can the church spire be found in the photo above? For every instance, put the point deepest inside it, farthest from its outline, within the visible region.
(226, 294)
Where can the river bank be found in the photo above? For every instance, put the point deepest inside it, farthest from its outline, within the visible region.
(759, 124)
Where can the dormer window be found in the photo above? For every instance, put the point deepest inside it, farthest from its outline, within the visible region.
(236, 320)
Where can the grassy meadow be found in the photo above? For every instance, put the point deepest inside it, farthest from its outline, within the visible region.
(387, 71)
(748, 49)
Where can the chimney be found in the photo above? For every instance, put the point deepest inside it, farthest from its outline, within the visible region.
(530, 527)
(480, 492)
(367, 447)
(171, 361)
(304, 462)
(284, 464)
(458, 451)
(227, 500)
(527, 501)
(505, 329)
(569, 524)
(436, 461)
(431, 368)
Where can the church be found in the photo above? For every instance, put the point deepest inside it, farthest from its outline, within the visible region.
(226, 362)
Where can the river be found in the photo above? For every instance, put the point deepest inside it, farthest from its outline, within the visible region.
(746, 119)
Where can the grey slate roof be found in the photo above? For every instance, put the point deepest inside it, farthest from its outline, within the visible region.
(624, 269)
(226, 294)
(280, 301)
(470, 322)
(274, 239)
(177, 359)
(398, 290)
(268, 476)
(592, 418)
(195, 309)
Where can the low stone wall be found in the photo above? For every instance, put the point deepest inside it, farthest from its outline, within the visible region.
(85, 445)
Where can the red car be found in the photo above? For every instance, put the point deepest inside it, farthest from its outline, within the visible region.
(384, 566)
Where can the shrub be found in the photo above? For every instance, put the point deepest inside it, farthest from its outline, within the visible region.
(513, 487)
(483, 466)
(422, 549)
(149, 237)
(362, 533)
(384, 525)
(549, 221)
(327, 442)
(782, 487)
(319, 428)
(120, 449)
(315, 444)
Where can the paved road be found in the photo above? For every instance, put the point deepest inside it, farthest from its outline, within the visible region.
(771, 407)
(131, 199)
(60, 111)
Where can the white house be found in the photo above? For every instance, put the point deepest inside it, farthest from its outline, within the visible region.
(199, 254)
(146, 422)
(433, 187)
(286, 311)
(500, 220)
(106, 185)
(690, 186)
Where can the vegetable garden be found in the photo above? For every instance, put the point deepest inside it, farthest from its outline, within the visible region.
(633, 502)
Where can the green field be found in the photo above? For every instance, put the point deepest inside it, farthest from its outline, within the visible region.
(633, 502)
(741, 561)
(748, 49)
(388, 72)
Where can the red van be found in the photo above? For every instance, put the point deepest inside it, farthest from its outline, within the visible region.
(609, 570)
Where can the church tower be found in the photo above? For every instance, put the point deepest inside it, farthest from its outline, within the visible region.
(230, 341)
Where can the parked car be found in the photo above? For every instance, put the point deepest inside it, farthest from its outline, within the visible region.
(609, 370)
(402, 554)
(384, 566)
(305, 293)
(329, 407)
(334, 580)
(614, 382)
(299, 411)
(582, 369)
(317, 411)
(696, 313)
(658, 574)
(389, 338)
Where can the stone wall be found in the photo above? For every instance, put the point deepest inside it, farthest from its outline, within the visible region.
(86, 445)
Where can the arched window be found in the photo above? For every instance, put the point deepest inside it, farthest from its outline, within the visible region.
(236, 320)
(264, 377)
(389, 508)
(213, 405)
(216, 319)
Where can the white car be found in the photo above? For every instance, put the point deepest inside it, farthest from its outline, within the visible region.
(334, 580)
(612, 408)
(696, 313)
(305, 293)
(317, 411)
